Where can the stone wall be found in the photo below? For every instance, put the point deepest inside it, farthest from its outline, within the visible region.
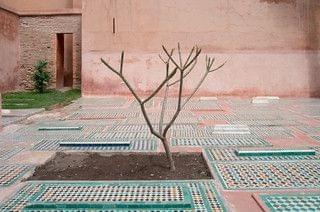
(9, 50)
(272, 46)
(38, 36)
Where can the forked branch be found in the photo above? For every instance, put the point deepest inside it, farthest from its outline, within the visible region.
(141, 102)
(184, 67)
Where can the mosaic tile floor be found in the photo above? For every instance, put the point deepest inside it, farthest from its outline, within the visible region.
(11, 173)
(268, 175)
(215, 154)
(119, 196)
(216, 127)
(292, 202)
(219, 142)
(6, 153)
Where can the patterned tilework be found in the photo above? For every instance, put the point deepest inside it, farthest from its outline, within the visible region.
(136, 145)
(266, 122)
(31, 133)
(229, 155)
(11, 173)
(129, 128)
(203, 105)
(316, 137)
(7, 153)
(122, 135)
(219, 142)
(268, 175)
(218, 116)
(292, 202)
(271, 131)
(102, 102)
(96, 114)
(117, 196)
(193, 133)
(308, 129)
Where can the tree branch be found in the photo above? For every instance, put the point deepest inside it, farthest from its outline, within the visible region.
(178, 108)
(145, 115)
(209, 63)
(161, 85)
(123, 79)
(196, 88)
(219, 66)
(163, 108)
(179, 53)
(165, 62)
(170, 57)
(185, 75)
(198, 51)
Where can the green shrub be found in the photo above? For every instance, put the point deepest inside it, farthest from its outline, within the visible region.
(41, 77)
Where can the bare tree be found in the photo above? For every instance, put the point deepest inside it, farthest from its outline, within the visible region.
(183, 68)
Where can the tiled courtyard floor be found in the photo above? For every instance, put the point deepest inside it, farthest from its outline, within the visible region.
(217, 128)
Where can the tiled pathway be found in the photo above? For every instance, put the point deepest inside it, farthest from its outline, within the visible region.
(217, 128)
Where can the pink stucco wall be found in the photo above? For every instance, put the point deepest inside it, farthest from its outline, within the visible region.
(23, 5)
(9, 50)
(1, 124)
(272, 47)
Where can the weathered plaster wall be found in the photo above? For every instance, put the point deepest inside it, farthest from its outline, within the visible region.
(272, 47)
(38, 42)
(9, 50)
(1, 124)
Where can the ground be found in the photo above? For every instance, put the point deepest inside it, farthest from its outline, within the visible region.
(48, 100)
(215, 128)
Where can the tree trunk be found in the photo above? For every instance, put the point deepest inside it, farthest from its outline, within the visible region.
(168, 153)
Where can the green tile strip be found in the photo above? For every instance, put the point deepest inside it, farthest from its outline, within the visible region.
(292, 202)
(137, 145)
(274, 152)
(59, 128)
(117, 196)
(103, 206)
(268, 175)
(85, 143)
(219, 154)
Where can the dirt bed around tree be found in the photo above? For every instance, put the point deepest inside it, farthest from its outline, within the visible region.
(135, 166)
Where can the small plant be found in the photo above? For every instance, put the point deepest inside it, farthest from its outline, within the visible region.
(41, 76)
(181, 67)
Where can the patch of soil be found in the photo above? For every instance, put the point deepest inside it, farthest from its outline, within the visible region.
(95, 166)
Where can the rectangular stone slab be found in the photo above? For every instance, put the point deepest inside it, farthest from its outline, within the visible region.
(101, 206)
(90, 143)
(59, 128)
(275, 152)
